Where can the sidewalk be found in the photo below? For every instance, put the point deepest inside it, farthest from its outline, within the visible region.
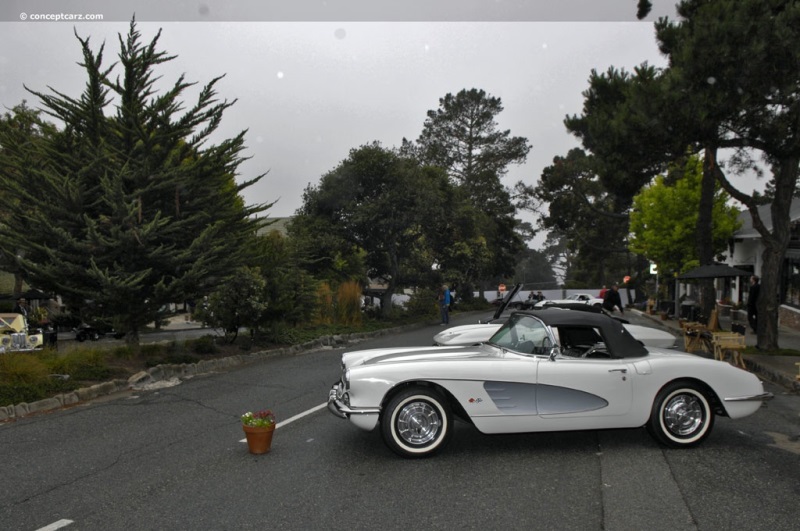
(781, 370)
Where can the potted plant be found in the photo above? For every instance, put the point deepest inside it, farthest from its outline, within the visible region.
(258, 428)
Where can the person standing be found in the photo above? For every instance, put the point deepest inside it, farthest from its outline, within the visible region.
(752, 303)
(444, 304)
(612, 299)
(21, 307)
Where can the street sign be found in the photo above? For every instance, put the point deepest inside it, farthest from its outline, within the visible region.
(653, 269)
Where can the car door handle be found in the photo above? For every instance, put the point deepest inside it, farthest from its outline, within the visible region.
(623, 371)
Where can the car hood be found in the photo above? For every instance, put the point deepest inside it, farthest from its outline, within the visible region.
(466, 334)
(418, 354)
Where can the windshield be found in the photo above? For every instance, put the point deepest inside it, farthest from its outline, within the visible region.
(524, 334)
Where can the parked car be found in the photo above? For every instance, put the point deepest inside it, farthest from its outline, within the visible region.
(480, 332)
(14, 334)
(582, 298)
(95, 331)
(549, 370)
(501, 303)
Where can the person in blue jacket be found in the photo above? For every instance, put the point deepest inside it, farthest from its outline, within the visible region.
(444, 304)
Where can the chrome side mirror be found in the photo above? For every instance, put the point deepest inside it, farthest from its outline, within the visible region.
(548, 346)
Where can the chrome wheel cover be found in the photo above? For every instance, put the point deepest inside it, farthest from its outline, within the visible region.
(683, 415)
(418, 423)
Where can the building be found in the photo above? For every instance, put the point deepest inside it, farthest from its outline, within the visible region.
(746, 250)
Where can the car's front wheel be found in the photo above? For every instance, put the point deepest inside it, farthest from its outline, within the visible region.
(681, 416)
(417, 422)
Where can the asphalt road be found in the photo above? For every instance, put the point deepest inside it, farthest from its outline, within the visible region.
(173, 459)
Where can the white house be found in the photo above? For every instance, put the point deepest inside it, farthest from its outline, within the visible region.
(745, 252)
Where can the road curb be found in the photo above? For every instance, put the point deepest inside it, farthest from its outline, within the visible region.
(774, 376)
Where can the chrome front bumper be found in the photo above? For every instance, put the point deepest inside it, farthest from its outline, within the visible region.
(335, 405)
(339, 408)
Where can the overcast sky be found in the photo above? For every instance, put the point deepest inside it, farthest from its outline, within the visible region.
(314, 79)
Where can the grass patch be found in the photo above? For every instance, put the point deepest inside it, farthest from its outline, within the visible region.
(775, 352)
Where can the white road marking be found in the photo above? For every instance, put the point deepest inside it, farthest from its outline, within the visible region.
(56, 525)
(297, 417)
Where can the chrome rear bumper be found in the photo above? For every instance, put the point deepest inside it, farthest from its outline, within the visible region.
(752, 398)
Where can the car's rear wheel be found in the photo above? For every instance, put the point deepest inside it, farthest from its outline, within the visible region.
(682, 416)
(417, 422)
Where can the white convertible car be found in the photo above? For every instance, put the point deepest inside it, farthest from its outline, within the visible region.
(546, 370)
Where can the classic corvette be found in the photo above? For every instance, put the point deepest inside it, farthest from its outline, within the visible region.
(582, 298)
(479, 332)
(545, 370)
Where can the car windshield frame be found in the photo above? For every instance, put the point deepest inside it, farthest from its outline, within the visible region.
(524, 334)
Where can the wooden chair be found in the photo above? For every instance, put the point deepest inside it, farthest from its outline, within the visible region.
(729, 343)
(697, 335)
(693, 337)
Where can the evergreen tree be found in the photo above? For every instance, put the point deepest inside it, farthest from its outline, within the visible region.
(462, 136)
(127, 205)
(18, 127)
(590, 221)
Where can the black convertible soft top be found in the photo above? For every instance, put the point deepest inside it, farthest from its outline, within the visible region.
(619, 342)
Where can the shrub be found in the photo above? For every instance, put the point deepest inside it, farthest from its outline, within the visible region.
(348, 304)
(151, 350)
(245, 343)
(204, 345)
(126, 352)
(325, 312)
(26, 378)
(19, 368)
(11, 394)
(423, 303)
(475, 303)
(82, 364)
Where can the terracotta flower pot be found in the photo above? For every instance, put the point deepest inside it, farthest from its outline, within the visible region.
(259, 440)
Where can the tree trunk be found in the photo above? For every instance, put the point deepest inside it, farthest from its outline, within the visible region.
(768, 302)
(132, 337)
(775, 247)
(704, 229)
(386, 300)
(18, 285)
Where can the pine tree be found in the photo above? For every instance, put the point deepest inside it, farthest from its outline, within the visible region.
(126, 208)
